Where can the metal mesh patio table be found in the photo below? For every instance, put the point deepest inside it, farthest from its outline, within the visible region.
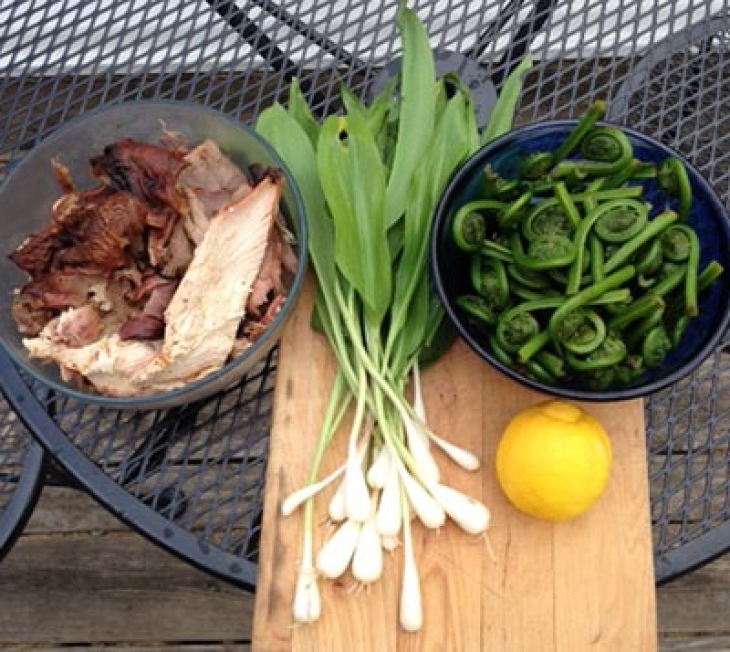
(22, 470)
(192, 478)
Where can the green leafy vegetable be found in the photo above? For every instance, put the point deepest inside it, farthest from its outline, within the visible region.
(371, 179)
(502, 115)
(353, 181)
(416, 113)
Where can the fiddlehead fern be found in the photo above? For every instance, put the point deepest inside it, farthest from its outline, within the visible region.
(582, 331)
(469, 227)
(606, 151)
(656, 346)
(547, 217)
(673, 179)
(621, 220)
(609, 353)
(489, 279)
(546, 252)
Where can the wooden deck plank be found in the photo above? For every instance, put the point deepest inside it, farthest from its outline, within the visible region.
(119, 588)
(61, 512)
(110, 587)
(66, 511)
(151, 647)
(698, 602)
(704, 644)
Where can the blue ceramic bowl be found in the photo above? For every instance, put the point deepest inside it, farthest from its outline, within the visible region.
(28, 193)
(450, 265)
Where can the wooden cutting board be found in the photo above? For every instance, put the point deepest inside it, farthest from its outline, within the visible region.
(583, 585)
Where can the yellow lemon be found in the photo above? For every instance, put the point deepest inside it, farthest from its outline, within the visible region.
(554, 460)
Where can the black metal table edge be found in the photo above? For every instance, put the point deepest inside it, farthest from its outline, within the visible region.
(692, 555)
(18, 510)
(92, 480)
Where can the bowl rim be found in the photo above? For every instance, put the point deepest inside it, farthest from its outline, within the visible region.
(466, 172)
(172, 397)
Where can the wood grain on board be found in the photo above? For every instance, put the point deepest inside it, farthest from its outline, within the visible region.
(588, 584)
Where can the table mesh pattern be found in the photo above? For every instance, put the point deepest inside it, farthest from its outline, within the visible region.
(14, 442)
(679, 94)
(201, 466)
(21, 476)
(688, 462)
(661, 66)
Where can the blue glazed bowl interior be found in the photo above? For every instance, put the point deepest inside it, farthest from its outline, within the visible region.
(450, 265)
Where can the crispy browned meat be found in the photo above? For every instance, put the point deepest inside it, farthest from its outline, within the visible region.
(47, 297)
(201, 326)
(98, 229)
(142, 284)
(90, 236)
(63, 177)
(97, 232)
(148, 171)
(108, 233)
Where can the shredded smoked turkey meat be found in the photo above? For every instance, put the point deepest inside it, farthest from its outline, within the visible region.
(173, 264)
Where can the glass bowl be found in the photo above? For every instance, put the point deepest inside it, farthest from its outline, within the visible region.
(28, 193)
